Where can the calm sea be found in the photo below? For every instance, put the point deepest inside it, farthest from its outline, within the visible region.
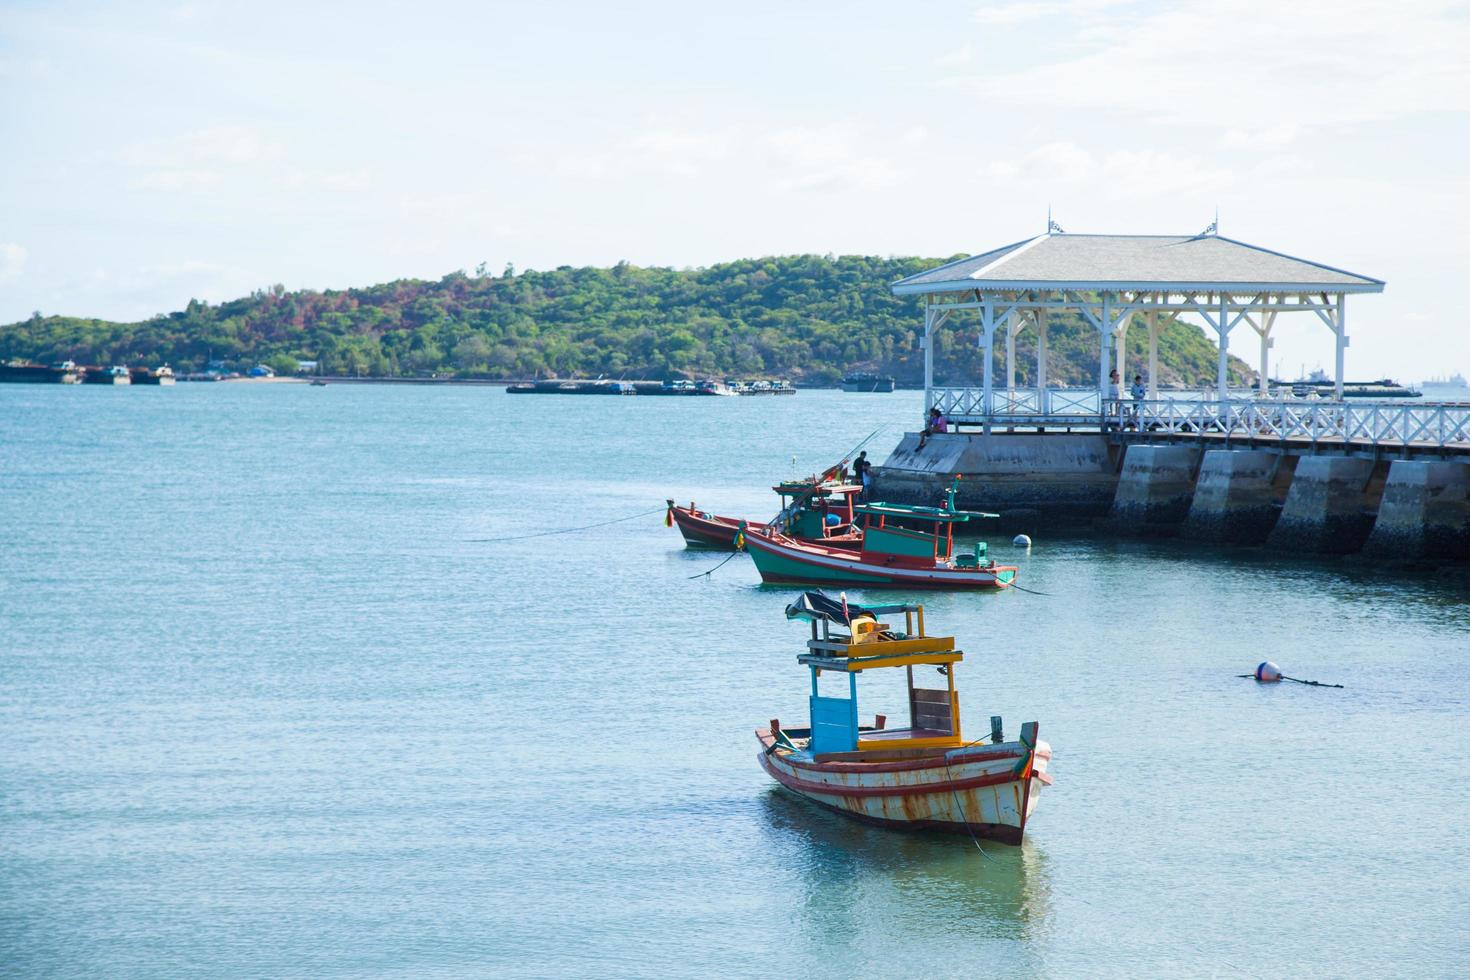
(271, 704)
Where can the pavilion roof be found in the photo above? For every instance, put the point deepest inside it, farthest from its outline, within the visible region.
(1136, 262)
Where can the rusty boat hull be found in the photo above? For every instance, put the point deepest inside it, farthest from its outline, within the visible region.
(990, 791)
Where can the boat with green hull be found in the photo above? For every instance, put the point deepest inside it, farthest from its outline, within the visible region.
(889, 555)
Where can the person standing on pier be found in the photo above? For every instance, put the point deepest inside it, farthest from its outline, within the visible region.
(860, 468)
(1138, 392)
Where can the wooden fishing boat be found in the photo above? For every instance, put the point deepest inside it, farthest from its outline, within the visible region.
(923, 777)
(888, 555)
(819, 509)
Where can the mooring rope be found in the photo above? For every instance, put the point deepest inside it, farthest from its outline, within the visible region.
(717, 567)
(960, 807)
(1023, 588)
(567, 530)
(1296, 680)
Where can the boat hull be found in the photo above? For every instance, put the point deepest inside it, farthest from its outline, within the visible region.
(783, 560)
(707, 530)
(702, 530)
(990, 791)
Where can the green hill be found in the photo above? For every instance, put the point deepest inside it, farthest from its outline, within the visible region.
(809, 318)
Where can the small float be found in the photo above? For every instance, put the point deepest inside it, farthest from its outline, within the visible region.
(923, 777)
(890, 552)
(818, 509)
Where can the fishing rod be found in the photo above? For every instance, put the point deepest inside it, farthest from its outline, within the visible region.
(817, 483)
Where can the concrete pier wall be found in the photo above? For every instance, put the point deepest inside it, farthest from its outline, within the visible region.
(1155, 489)
(1066, 478)
(1424, 513)
(1237, 496)
(1328, 508)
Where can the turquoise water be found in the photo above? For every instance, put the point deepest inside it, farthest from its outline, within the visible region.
(270, 704)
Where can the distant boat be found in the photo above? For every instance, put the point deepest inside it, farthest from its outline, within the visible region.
(115, 375)
(318, 383)
(163, 375)
(865, 382)
(1455, 380)
(24, 372)
(1318, 385)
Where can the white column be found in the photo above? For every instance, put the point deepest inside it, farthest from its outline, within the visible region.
(1153, 355)
(1123, 351)
(1340, 317)
(987, 338)
(1012, 325)
(1268, 320)
(1222, 329)
(1041, 400)
(1105, 330)
(928, 343)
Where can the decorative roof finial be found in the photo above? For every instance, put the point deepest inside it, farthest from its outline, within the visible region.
(1052, 228)
(1214, 228)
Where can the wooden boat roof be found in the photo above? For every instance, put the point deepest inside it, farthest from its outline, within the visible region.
(883, 655)
(940, 514)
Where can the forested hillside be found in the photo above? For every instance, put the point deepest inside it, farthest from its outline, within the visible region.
(808, 318)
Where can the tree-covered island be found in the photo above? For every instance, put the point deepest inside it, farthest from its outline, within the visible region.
(808, 318)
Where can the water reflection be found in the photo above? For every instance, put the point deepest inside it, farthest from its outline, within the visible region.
(934, 886)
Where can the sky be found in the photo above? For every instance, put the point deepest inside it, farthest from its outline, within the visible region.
(154, 153)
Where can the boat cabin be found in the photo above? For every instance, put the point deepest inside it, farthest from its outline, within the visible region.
(869, 644)
(816, 509)
(889, 532)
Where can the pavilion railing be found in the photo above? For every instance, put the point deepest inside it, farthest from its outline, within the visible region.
(1419, 425)
(1414, 424)
(968, 404)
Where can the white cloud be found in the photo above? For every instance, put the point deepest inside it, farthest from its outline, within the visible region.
(959, 56)
(12, 260)
(184, 181)
(1221, 62)
(1008, 14)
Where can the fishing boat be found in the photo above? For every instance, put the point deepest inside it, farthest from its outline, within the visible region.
(819, 509)
(888, 555)
(923, 777)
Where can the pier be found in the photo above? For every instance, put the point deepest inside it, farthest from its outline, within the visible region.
(1315, 475)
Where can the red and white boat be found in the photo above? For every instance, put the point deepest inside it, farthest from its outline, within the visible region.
(923, 777)
(819, 509)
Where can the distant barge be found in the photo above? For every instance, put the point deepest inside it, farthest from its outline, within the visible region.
(868, 382)
(645, 388)
(68, 373)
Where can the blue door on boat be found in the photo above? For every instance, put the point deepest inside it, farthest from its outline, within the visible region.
(834, 720)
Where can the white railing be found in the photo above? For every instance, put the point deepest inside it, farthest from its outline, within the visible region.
(968, 404)
(1415, 425)
(1419, 425)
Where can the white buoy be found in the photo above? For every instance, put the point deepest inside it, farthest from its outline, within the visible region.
(1268, 672)
(1022, 541)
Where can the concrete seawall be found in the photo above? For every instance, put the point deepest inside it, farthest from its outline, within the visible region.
(1400, 509)
(1328, 508)
(1155, 489)
(1425, 512)
(1237, 496)
(1067, 478)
